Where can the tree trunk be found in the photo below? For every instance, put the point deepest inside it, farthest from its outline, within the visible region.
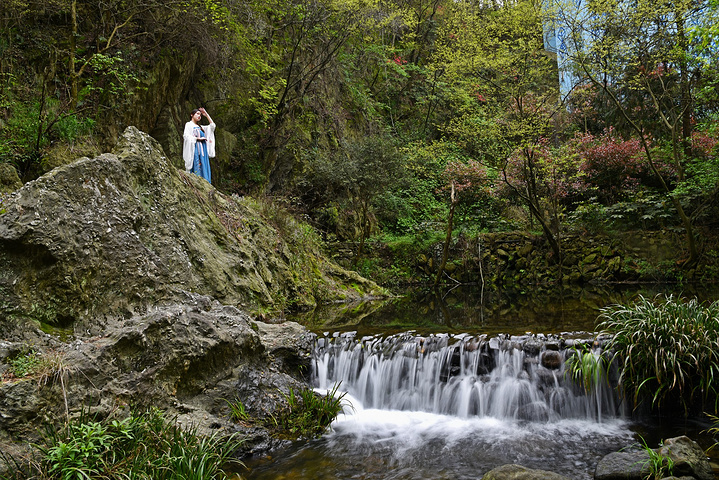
(364, 231)
(74, 89)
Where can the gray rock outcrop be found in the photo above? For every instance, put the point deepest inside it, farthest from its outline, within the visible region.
(117, 234)
(186, 359)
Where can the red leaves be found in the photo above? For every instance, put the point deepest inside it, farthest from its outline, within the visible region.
(469, 175)
(704, 145)
(398, 60)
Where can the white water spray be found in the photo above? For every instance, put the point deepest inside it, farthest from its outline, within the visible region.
(508, 378)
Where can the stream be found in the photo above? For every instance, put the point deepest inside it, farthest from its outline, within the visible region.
(466, 387)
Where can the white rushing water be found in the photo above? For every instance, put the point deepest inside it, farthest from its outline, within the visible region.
(518, 378)
(457, 406)
(421, 445)
(452, 407)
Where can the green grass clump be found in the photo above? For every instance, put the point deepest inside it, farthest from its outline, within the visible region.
(142, 446)
(587, 368)
(308, 414)
(667, 350)
(657, 466)
(238, 411)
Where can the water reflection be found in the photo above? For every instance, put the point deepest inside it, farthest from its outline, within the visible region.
(472, 310)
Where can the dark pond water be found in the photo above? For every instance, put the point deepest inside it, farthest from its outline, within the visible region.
(425, 431)
(474, 310)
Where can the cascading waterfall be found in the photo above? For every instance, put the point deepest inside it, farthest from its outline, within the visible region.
(511, 378)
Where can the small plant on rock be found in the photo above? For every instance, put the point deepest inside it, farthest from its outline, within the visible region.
(308, 414)
(238, 412)
(659, 466)
(587, 368)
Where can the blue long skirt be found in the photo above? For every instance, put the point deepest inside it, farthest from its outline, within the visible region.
(201, 162)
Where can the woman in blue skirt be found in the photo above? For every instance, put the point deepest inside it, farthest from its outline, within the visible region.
(199, 144)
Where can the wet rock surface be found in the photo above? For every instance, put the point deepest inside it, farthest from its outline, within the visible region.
(517, 472)
(687, 456)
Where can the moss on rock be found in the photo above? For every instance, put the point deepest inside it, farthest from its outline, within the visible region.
(126, 230)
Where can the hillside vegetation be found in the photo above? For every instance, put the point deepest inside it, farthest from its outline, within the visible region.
(389, 119)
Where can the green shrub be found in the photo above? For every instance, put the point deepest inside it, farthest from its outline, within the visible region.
(308, 414)
(142, 446)
(590, 216)
(667, 350)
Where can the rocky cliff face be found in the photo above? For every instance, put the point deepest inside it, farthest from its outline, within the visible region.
(188, 359)
(128, 278)
(114, 235)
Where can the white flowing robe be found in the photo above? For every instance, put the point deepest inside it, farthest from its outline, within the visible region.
(189, 140)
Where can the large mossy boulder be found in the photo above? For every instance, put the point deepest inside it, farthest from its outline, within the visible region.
(114, 235)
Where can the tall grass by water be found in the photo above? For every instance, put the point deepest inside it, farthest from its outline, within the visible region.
(144, 446)
(667, 351)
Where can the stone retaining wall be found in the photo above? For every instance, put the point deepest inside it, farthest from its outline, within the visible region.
(526, 259)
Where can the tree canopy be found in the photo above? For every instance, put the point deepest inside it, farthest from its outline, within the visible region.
(366, 107)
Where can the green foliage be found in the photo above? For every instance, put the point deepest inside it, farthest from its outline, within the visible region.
(70, 127)
(590, 216)
(112, 76)
(39, 366)
(658, 465)
(3, 197)
(587, 368)
(27, 364)
(20, 131)
(370, 167)
(238, 412)
(144, 445)
(667, 350)
(308, 414)
(357, 107)
(32, 126)
(714, 430)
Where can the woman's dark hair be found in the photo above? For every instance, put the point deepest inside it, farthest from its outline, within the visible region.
(194, 111)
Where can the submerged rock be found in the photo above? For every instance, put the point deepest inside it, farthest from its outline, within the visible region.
(518, 472)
